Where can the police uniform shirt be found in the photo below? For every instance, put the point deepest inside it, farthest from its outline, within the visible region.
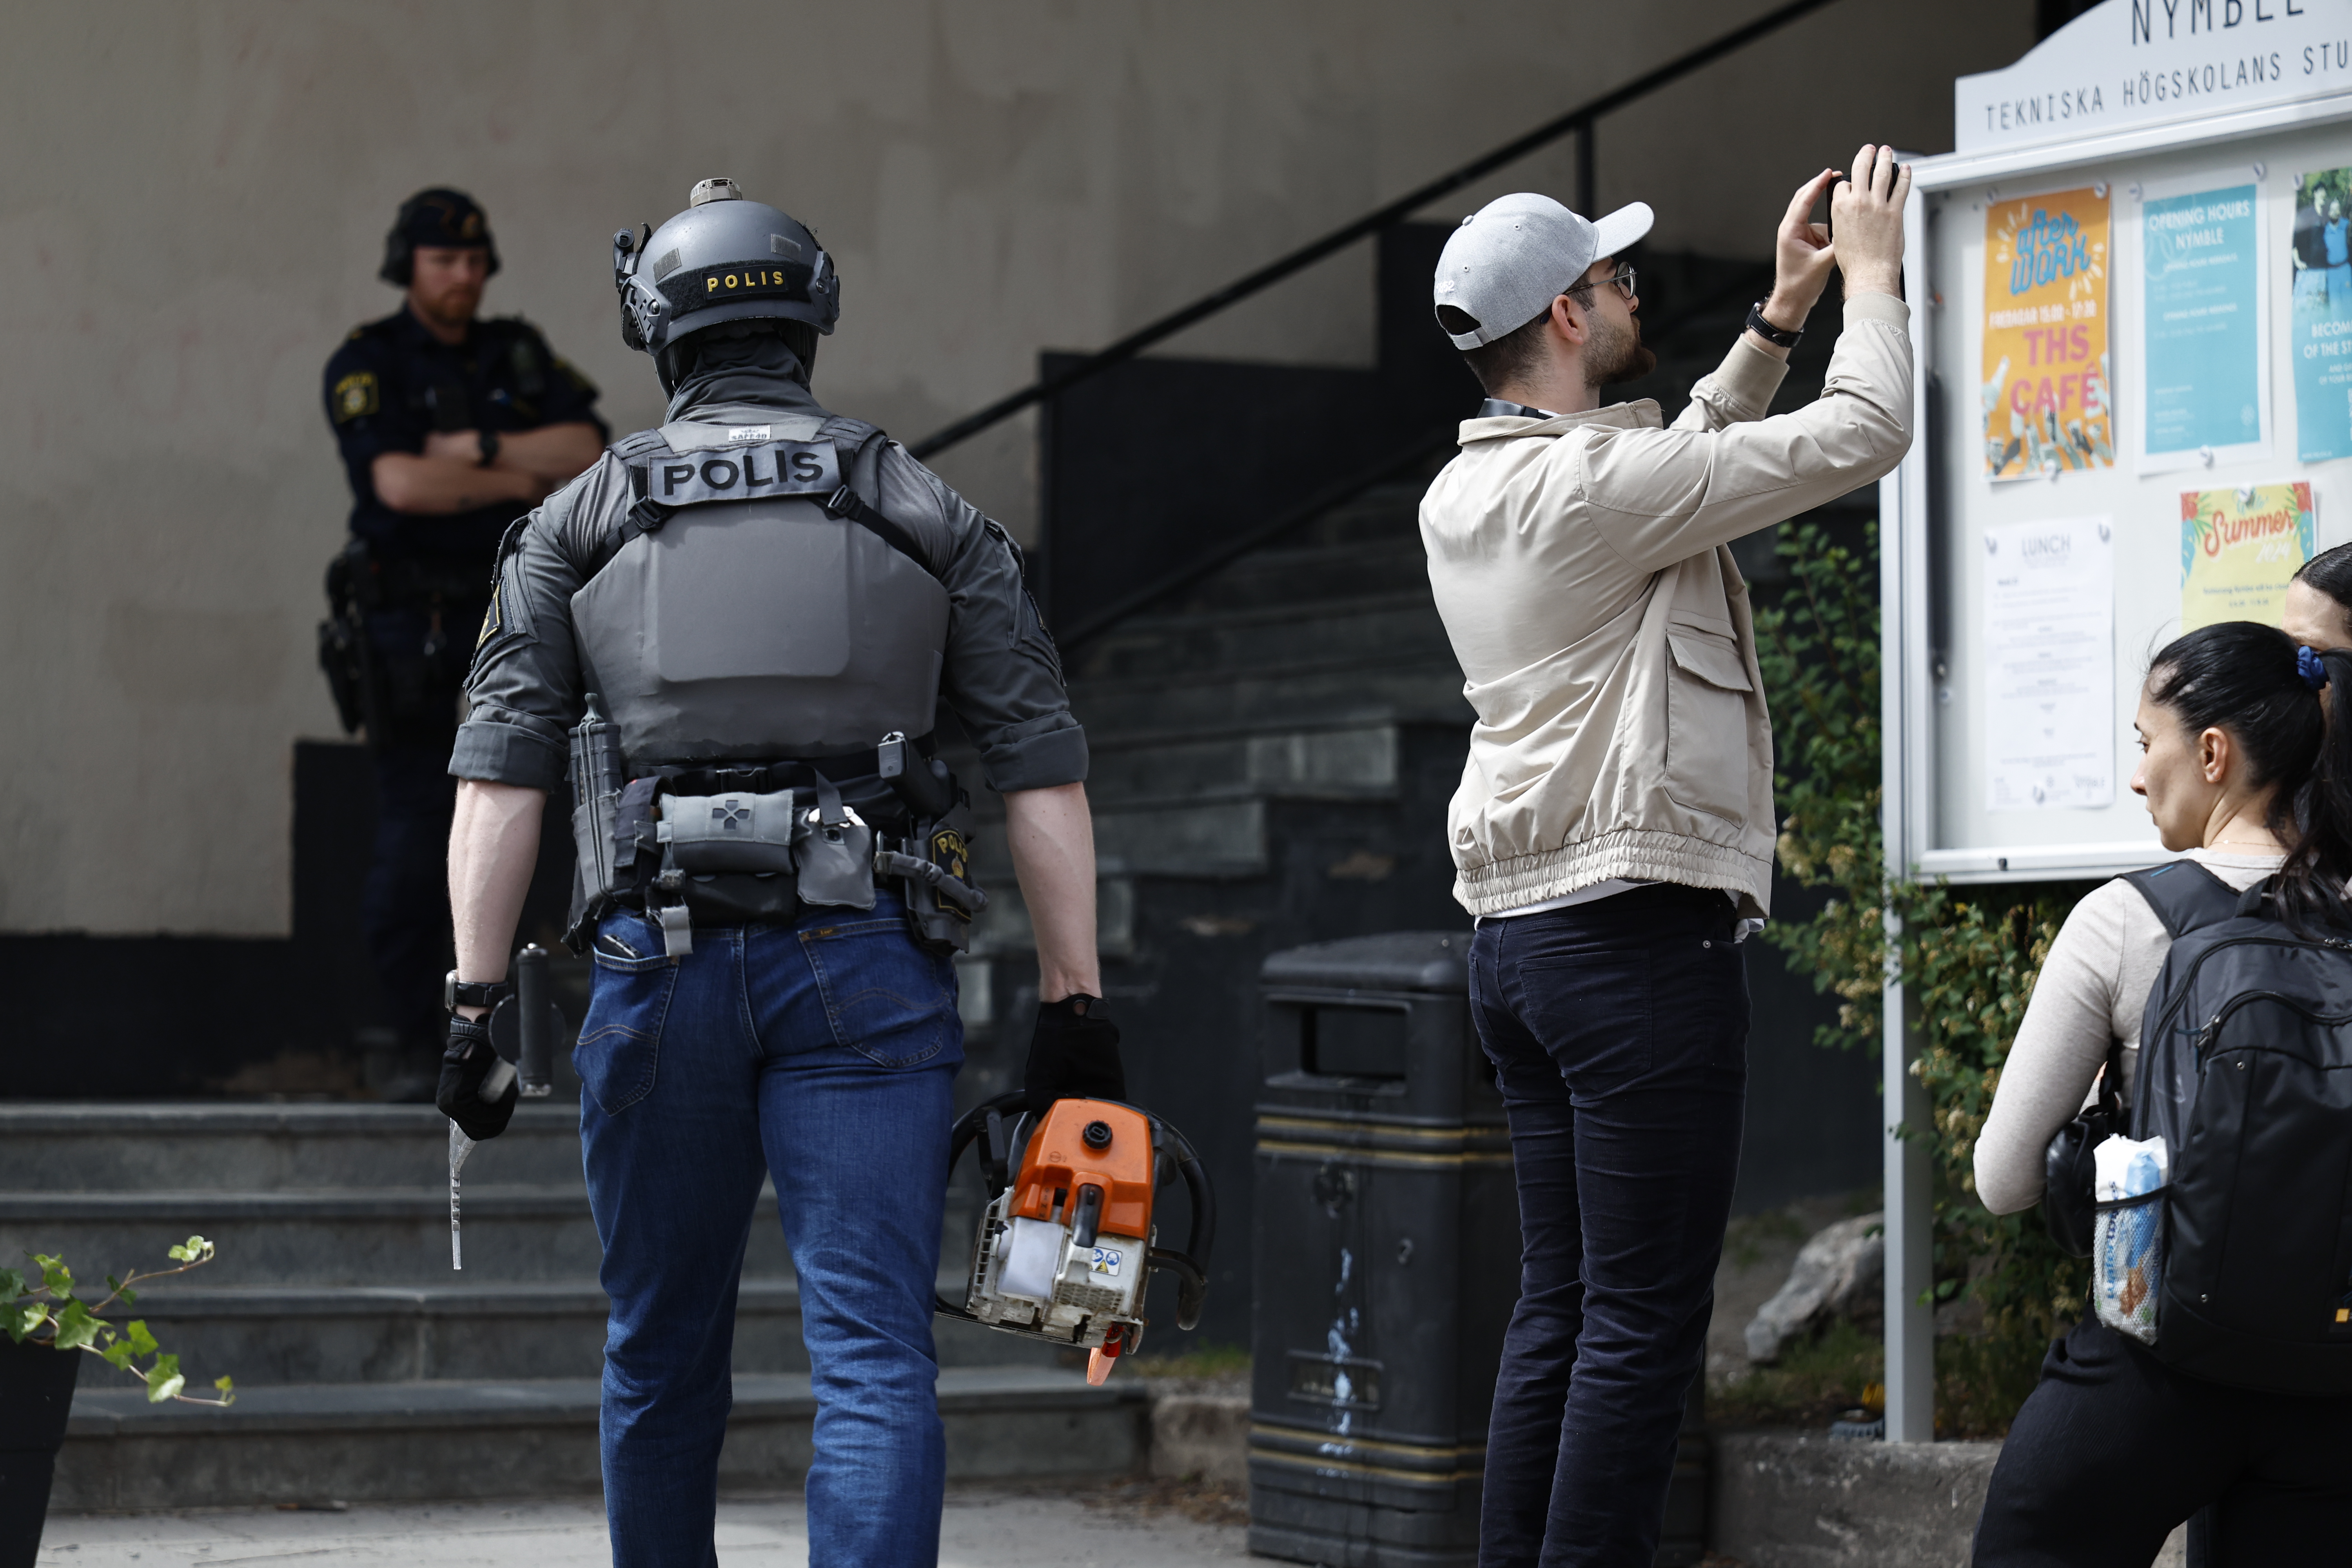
(999, 672)
(393, 383)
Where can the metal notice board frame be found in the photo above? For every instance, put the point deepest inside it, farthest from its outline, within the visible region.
(2134, 95)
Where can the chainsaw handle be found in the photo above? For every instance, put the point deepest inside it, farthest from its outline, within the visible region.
(1191, 1266)
(1192, 1285)
(969, 1125)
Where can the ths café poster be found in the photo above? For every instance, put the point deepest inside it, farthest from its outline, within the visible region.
(2047, 394)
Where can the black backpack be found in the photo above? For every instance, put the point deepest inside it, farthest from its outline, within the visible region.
(2245, 1071)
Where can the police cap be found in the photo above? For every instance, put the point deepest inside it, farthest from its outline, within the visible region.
(437, 217)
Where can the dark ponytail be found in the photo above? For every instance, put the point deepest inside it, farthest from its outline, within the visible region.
(2255, 682)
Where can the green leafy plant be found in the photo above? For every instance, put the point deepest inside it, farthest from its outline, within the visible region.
(1968, 959)
(28, 1306)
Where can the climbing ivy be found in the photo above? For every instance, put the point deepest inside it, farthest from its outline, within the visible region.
(1968, 959)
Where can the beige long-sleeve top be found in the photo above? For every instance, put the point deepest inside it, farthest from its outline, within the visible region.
(2092, 988)
(1579, 564)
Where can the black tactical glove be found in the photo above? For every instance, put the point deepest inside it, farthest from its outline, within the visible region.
(1073, 1055)
(478, 1088)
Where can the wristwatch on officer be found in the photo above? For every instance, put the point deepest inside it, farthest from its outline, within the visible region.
(489, 441)
(457, 993)
(1766, 330)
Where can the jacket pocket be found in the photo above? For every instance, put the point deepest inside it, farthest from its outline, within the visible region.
(1707, 723)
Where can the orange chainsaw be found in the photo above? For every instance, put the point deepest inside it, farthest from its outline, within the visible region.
(1065, 1249)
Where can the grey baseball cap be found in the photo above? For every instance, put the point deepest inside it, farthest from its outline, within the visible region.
(1510, 258)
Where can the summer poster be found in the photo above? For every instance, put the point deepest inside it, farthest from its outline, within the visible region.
(2047, 403)
(2320, 262)
(2202, 327)
(2238, 548)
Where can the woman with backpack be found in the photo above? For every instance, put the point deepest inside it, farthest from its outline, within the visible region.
(2116, 1448)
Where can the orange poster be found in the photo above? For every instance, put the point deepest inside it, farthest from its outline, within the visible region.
(2048, 393)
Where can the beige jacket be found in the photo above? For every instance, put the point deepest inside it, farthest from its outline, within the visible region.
(1580, 565)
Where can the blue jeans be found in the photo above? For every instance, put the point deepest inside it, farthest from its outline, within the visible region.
(822, 1053)
(1619, 1034)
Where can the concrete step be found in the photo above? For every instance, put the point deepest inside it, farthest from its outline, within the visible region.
(391, 1442)
(1301, 574)
(268, 1148)
(465, 1331)
(1411, 686)
(1268, 640)
(1357, 763)
(357, 1235)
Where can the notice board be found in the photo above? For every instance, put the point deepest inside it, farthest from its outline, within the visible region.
(2131, 292)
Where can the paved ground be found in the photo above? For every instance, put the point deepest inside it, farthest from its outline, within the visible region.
(1138, 1526)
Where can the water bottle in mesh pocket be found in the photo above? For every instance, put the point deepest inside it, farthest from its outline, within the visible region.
(2128, 1235)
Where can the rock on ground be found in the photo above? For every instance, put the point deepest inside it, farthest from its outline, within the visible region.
(1836, 1274)
(1757, 1256)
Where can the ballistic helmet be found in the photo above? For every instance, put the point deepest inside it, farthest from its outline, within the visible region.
(437, 217)
(722, 259)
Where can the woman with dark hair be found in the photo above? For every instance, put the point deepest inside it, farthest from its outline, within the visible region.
(2318, 612)
(2115, 1448)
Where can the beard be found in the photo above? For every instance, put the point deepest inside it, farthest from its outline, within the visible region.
(1616, 354)
(450, 306)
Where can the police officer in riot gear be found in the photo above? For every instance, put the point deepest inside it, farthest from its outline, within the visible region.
(450, 428)
(731, 637)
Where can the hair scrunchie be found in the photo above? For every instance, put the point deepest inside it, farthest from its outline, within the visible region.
(2312, 667)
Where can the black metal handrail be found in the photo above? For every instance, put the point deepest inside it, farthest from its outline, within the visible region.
(1339, 493)
(1578, 119)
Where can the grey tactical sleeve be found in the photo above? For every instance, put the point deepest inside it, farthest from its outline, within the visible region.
(1002, 676)
(526, 689)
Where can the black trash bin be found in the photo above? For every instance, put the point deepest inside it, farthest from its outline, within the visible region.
(1386, 1257)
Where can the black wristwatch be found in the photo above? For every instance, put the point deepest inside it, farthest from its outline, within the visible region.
(489, 441)
(1767, 332)
(457, 993)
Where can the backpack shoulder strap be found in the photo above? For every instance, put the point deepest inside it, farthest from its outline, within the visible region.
(2185, 895)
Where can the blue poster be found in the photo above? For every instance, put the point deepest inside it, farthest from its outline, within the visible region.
(2203, 323)
(2320, 258)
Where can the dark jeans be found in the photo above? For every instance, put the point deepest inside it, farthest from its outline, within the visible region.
(2114, 1448)
(1619, 1034)
(404, 903)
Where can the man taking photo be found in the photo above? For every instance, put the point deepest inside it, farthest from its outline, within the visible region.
(1614, 823)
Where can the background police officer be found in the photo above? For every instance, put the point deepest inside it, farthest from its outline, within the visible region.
(768, 602)
(450, 428)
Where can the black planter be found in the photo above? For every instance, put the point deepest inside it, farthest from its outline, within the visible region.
(36, 1386)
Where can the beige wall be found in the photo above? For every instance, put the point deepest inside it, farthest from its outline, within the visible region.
(195, 194)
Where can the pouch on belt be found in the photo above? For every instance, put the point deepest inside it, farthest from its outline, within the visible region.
(710, 833)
